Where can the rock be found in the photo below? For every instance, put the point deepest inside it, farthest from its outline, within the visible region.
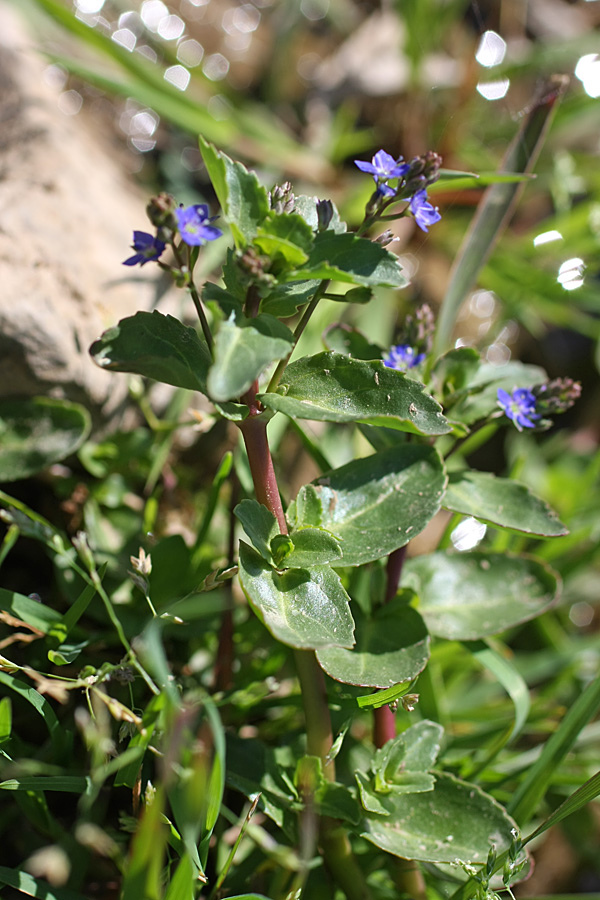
(67, 212)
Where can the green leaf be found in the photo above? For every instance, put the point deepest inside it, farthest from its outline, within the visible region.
(155, 346)
(36, 614)
(41, 705)
(391, 647)
(336, 800)
(374, 505)
(243, 199)
(287, 236)
(260, 525)
(183, 883)
(384, 698)
(300, 608)
(35, 887)
(5, 719)
(497, 205)
(583, 795)
(307, 208)
(312, 547)
(403, 764)
(241, 354)
(525, 800)
(511, 680)
(36, 432)
(469, 595)
(342, 338)
(330, 387)
(67, 653)
(501, 501)
(352, 259)
(253, 768)
(455, 820)
(142, 877)
(70, 784)
(285, 299)
(454, 370)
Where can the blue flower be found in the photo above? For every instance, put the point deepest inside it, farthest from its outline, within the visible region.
(403, 357)
(425, 214)
(147, 248)
(194, 225)
(519, 406)
(382, 167)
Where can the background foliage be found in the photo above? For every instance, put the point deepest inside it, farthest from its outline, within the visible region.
(298, 90)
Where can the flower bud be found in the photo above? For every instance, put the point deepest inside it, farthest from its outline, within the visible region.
(324, 213)
(556, 396)
(282, 199)
(161, 212)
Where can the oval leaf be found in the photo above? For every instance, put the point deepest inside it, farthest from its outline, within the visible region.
(330, 387)
(243, 199)
(300, 608)
(352, 259)
(391, 647)
(469, 595)
(156, 346)
(456, 820)
(312, 547)
(501, 501)
(377, 504)
(36, 432)
(240, 355)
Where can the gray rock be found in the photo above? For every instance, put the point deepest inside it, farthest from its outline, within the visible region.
(67, 212)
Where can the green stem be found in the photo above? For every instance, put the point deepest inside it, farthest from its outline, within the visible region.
(196, 299)
(319, 293)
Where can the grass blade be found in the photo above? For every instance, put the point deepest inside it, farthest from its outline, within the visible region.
(496, 207)
(588, 791)
(532, 789)
(35, 887)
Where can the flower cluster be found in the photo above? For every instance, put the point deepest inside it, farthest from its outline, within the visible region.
(526, 407)
(519, 407)
(414, 178)
(192, 223)
(403, 357)
(415, 341)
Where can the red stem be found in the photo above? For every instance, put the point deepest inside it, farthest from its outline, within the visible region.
(384, 725)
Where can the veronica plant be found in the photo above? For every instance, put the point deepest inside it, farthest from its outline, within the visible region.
(301, 557)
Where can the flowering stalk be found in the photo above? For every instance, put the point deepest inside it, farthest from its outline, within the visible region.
(319, 293)
(334, 842)
(195, 298)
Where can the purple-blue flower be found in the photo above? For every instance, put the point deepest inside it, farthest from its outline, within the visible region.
(425, 214)
(194, 225)
(403, 357)
(382, 167)
(147, 248)
(519, 406)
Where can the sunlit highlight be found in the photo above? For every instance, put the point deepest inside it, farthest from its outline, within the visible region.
(491, 50)
(494, 90)
(178, 76)
(468, 534)
(125, 38)
(570, 274)
(546, 237)
(588, 72)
